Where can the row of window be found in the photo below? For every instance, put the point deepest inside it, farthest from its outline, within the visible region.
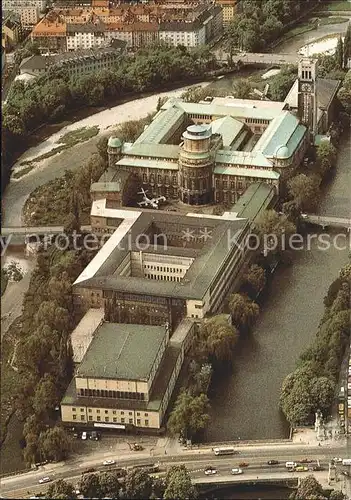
(114, 412)
(162, 277)
(101, 393)
(164, 269)
(159, 179)
(257, 120)
(239, 184)
(114, 420)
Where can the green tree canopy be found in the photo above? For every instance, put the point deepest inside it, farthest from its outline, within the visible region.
(61, 489)
(243, 310)
(89, 486)
(178, 484)
(305, 191)
(54, 443)
(189, 415)
(138, 484)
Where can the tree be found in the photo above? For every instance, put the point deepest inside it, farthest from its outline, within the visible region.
(281, 83)
(254, 280)
(54, 444)
(322, 392)
(273, 229)
(347, 45)
(138, 484)
(45, 396)
(337, 495)
(109, 484)
(102, 148)
(305, 191)
(61, 489)
(218, 338)
(243, 310)
(309, 488)
(178, 484)
(339, 53)
(189, 415)
(90, 487)
(242, 89)
(52, 315)
(327, 152)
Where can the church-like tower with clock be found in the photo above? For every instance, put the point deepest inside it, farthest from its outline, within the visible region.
(307, 93)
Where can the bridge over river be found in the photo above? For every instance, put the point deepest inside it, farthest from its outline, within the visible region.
(248, 58)
(328, 221)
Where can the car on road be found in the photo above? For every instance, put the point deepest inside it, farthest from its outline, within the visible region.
(291, 469)
(94, 436)
(243, 464)
(89, 471)
(316, 468)
(236, 471)
(108, 462)
(336, 460)
(84, 436)
(301, 468)
(210, 470)
(44, 480)
(305, 461)
(137, 447)
(273, 462)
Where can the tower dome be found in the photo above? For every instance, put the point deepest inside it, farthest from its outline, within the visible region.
(282, 152)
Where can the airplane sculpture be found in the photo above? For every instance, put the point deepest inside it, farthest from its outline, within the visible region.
(152, 202)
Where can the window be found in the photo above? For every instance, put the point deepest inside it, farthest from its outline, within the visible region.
(90, 410)
(106, 411)
(138, 421)
(97, 411)
(146, 423)
(122, 412)
(130, 413)
(115, 419)
(122, 420)
(82, 417)
(98, 418)
(130, 420)
(159, 179)
(82, 409)
(114, 412)
(107, 419)
(90, 418)
(225, 184)
(74, 417)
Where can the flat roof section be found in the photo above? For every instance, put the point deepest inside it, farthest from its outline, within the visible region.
(122, 351)
(258, 196)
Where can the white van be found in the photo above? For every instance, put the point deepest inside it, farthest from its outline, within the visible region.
(290, 465)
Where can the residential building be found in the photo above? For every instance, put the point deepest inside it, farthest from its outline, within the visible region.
(229, 9)
(77, 63)
(29, 17)
(12, 32)
(85, 36)
(50, 33)
(18, 5)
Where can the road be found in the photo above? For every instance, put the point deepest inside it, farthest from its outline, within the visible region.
(195, 460)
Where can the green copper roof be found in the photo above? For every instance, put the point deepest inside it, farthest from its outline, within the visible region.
(114, 142)
(159, 128)
(228, 128)
(122, 351)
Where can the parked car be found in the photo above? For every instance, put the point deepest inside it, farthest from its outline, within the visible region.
(243, 464)
(337, 460)
(89, 471)
(301, 468)
(305, 461)
(316, 468)
(46, 479)
(210, 470)
(84, 436)
(236, 471)
(273, 462)
(108, 462)
(137, 447)
(94, 436)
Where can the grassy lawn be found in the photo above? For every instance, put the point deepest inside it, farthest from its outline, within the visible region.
(332, 20)
(66, 141)
(48, 204)
(335, 5)
(21, 173)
